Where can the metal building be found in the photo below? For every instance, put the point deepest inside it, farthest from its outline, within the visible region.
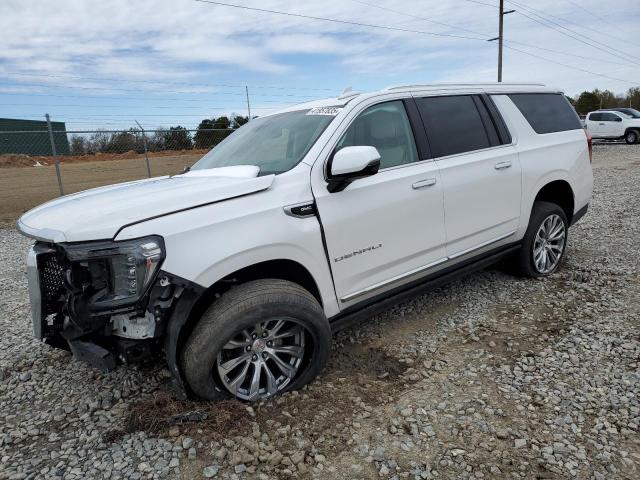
(31, 137)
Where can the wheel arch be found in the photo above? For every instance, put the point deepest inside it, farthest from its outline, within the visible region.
(560, 193)
(186, 314)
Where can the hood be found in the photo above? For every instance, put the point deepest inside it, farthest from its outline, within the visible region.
(99, 213)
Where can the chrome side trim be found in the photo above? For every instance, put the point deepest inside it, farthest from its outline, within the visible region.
(483, 244)
(384, 283)
(418, 270)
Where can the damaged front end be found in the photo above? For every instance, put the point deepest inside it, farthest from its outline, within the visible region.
(106, 301)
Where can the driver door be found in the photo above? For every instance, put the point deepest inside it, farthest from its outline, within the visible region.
(387, 229)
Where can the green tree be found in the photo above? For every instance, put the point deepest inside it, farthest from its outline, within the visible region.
(221, 123)
(78, 145)
(587, 102)
(177, 138)
(205, 136)
(238, 120)
(633, 98)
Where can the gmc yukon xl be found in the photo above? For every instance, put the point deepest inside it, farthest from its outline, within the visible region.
(239, 269)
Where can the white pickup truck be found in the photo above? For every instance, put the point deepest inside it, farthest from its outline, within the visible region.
(613, 125)
(240, 269)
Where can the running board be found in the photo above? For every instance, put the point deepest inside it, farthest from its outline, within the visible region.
(360, 312)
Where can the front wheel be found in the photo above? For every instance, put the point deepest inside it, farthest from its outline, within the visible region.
(259, 339)
(544, 243)
(632, 137)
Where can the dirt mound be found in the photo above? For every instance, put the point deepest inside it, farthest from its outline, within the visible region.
(20, 160)
(16, 160)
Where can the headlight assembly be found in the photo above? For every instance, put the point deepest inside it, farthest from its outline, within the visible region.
(114, 274)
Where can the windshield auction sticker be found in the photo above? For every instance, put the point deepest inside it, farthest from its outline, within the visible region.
(333, 111)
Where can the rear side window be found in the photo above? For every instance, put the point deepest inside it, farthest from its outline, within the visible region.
(609, 117)
(595, 117)
(547, 112)
(454, 124)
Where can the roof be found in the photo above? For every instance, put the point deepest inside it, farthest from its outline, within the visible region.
(488, 87)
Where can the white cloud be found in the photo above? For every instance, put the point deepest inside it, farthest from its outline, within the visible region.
(176, 41)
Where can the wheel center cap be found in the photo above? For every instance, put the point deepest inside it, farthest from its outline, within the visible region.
(259, 345)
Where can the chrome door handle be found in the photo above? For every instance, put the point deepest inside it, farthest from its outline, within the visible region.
(428, 182)
(502, 165)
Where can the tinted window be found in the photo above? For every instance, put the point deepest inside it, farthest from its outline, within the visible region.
(453, 124)
(595, 117)
(547, 112)
(609, 117)
(386, 127)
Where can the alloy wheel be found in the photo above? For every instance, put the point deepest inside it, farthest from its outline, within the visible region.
(260, 361)
(549, 244)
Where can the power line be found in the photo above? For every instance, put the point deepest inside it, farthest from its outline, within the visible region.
(576, 4)
(584, 27)
(430, 20)
(483, 34)
(155, 82)
(115, 89)
(572, 67)
(335, 20)
(40, 105)
(572, 33)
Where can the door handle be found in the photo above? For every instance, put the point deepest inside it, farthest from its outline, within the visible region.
(428, 182)
(502, 165)
(601, 124)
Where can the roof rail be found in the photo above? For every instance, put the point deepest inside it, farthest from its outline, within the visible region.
(484, 84)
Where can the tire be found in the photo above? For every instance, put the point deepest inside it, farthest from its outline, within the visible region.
(526, 258)
(631, 137)
(259, 322)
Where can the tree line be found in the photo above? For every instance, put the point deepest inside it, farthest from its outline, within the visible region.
(209, 133)
(588, 101)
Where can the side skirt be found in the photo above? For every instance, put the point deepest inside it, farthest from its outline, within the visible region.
(357, 313)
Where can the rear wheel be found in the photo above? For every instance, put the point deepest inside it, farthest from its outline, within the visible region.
(259, 339)
(544, 242)
(632, 136)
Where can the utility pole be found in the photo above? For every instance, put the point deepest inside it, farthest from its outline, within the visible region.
(56, 159)
(146, 155)
(246, 91)
(500, 36)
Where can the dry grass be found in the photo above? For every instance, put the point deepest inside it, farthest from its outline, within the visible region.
(24, 188)
(161, 411)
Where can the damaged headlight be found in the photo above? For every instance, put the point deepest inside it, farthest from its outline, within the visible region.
(114, 274)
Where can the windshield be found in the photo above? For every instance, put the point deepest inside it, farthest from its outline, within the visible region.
(633, 112)
(276, 143)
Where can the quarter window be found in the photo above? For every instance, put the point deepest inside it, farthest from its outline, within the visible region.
(386, 127)
(609, 117)
(453, 124)
(547, 112)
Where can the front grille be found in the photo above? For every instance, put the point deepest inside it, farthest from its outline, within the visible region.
(51, 283)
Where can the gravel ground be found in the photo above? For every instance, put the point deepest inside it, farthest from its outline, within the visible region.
(490, 377)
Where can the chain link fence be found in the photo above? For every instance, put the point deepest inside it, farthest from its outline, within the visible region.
(38, 165)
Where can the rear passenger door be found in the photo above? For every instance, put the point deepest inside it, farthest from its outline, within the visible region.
(479, 167)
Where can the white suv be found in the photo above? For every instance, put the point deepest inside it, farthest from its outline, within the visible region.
(303, 220)
(612, 124)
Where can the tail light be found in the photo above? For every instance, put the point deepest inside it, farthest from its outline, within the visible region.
(590, 145)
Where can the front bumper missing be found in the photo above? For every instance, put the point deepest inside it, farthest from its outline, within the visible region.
(38, 318)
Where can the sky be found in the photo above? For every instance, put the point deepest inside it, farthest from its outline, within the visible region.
(105, 64)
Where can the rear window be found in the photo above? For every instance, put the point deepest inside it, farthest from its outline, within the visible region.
(547, 112)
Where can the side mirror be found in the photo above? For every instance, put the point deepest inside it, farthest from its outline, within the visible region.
(351, 163)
